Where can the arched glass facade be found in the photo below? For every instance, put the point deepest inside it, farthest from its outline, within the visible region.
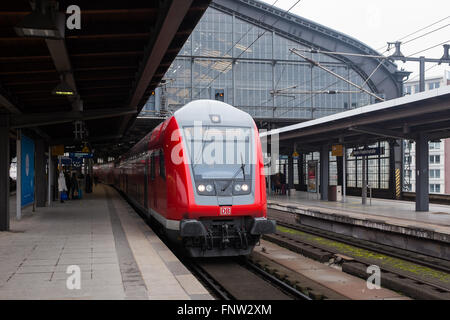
(225, 54)
(244, 64)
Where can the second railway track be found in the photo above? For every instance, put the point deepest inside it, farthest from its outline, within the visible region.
(416, 275)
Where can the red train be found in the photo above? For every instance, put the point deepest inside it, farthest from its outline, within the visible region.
(200, 174)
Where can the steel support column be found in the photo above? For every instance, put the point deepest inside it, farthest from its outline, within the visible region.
(324, 167)
(364, 180)
(340, 170)
(422, 74)
(344, 173)
(398, 168)
(49, 176)
(301, 177)
(422, 196)
(40, 173)
(4, 172)
(290, 181)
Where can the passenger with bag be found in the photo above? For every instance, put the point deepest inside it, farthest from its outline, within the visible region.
(74, 182)
(81, 185)
(62, 188)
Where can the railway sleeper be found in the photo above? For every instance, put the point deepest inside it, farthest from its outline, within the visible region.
(301, 283)
(410, 287)
(302, 248)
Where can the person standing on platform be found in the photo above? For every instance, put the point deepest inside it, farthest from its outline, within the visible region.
(88, 183)
(61, 185)
(74, 184)
(68, 184)
(81, 185)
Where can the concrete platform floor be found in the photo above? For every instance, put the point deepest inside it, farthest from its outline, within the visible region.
(438, 218)
(118, 254)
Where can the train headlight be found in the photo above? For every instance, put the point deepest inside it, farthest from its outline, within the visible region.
(209, 188)
(201, 187)
(241, 188)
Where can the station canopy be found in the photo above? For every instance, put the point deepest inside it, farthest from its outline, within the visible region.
(112, 64)
(408, 117)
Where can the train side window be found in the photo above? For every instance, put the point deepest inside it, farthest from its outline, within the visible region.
(162, 167)
(152, 167)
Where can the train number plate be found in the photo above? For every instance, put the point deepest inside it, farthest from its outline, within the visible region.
(225, 211)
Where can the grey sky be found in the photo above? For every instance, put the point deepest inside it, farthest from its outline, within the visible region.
(376, 22)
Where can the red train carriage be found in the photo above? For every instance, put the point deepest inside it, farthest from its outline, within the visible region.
(200, 175)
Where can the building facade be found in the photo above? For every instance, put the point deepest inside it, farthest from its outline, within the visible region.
(240, 53)
(412, 86)
(439, 150)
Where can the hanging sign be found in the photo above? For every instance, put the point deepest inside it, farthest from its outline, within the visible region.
(58, 150)
(80, 155)
(337, 150)
(368, 152)
(27, 171)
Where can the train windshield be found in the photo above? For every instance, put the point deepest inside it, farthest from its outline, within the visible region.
(220, 152)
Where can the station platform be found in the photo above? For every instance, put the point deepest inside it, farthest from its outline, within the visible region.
(389, 222)
(120, 257)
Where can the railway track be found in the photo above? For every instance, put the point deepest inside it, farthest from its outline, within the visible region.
(432, 262)
(241, 279)
(416, 275)
(230, 278)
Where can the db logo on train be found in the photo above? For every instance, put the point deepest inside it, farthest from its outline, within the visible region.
(225, 211)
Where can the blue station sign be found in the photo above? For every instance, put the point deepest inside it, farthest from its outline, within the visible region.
(368, 152)
(81, 155)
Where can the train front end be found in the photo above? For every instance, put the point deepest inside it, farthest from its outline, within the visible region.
(226, 212)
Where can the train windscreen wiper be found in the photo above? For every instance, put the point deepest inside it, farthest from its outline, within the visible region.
(242, 167)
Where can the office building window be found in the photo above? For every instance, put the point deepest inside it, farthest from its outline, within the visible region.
(435, 145)
(435, 159)
(435, 174)
(408, 90)
(435, 188)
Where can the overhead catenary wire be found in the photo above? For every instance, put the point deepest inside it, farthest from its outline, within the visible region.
(342, 53)
(429, 68)
(335, 74)
(417, 31)
(234, 45)
(308, 98)
(298, 85)
(251, 44)
(432, 47)
(425, 34)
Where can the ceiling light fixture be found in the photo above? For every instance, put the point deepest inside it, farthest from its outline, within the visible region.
(63, 89)
(43, 22)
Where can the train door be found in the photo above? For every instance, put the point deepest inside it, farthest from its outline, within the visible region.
(126, 182)
(122, 179)
(153, 178)
(162, 190)
(146, 184)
